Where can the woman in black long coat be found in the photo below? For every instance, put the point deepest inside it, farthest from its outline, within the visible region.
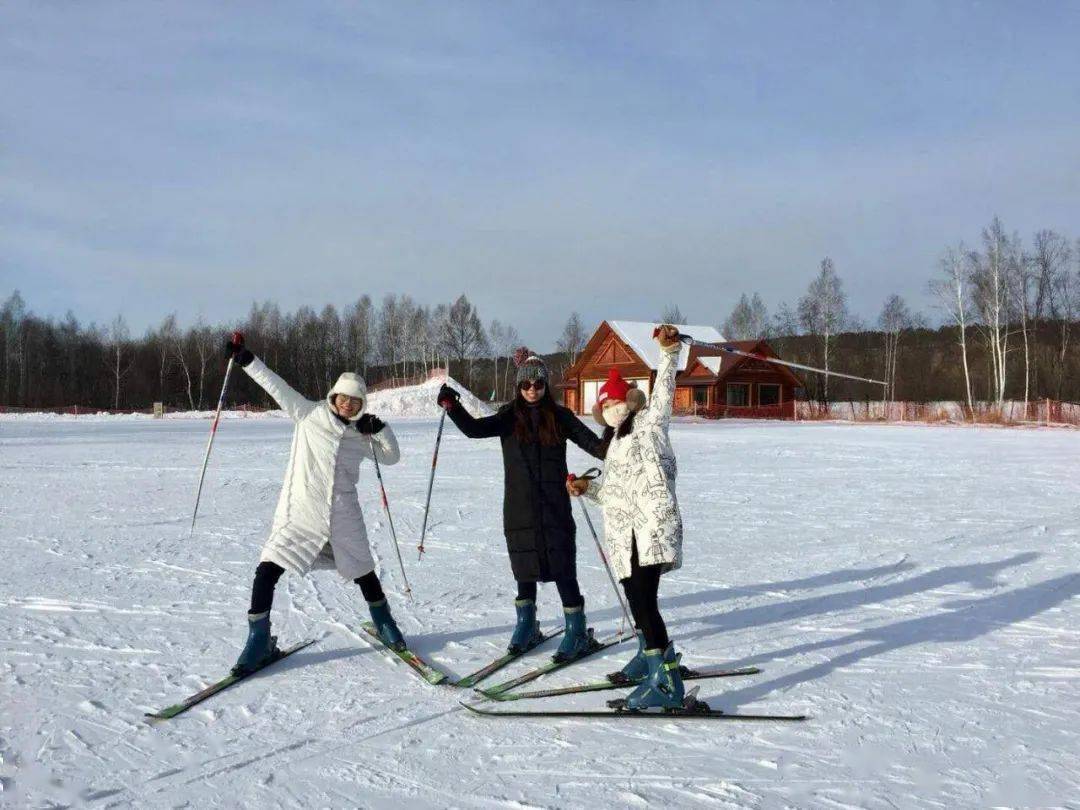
(537, 520)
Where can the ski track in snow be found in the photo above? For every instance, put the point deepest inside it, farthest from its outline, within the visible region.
(911, 589)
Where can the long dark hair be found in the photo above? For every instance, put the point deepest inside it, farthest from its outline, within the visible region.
(549, 426)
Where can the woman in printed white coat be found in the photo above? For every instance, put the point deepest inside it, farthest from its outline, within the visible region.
(642, 524)
(318, 522)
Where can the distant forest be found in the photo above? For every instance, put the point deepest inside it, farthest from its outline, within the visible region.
(1010, 313)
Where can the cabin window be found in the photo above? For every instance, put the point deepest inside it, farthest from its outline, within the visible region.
(768, 394)
(589, 390)
(701, 397)
(738, 394)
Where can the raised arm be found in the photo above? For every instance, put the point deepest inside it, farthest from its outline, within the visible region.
(658, 414)
(485, 428)
(292, 402)
(576, 431)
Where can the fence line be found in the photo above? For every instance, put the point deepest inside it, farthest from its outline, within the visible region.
(1010, 412)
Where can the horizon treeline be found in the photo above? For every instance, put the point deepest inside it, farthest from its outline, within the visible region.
(1010, 313)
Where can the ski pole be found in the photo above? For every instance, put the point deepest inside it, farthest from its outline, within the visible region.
(589, 475)
(430, 484)
(238, 339)
(690, 341)
(389, 517)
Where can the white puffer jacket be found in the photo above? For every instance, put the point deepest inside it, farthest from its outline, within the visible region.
(318, 522)
(637, 490)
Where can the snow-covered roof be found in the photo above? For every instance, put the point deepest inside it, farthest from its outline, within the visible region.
(638, 335)
(711, 363)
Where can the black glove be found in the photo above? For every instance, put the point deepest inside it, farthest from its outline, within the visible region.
(369, 424)
(447, 397)
(237, 351)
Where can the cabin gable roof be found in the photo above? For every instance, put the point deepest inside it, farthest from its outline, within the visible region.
(630, 344)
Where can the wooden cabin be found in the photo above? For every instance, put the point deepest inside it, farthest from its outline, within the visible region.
(710, 382)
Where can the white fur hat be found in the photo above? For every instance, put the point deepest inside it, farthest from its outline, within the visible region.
(350, 384)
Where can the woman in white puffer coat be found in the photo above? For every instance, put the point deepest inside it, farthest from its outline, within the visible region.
(318, 522)
(642, 524)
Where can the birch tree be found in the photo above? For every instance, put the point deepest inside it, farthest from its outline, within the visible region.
(463, 333)
(573, 338)
(989, 274)
(672, 314)
(117, 338)
(894, 320)
(749, 320)
(358, 330)
(1021, 282)
(823, 312)
(953, 298)
(204, 343)
(1064, 307)
(12, 320)
(1050, 258)
(164, 340)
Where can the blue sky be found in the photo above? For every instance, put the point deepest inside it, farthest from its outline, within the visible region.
(540, 157)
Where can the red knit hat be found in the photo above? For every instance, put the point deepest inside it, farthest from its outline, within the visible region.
(615, 388)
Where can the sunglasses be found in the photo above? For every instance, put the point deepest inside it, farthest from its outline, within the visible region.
(536, 385)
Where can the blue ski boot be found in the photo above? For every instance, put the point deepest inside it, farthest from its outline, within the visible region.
(261, 647)
(527, 630)
(664, 686)
(385, 624)
(636, 669)
(577, 640)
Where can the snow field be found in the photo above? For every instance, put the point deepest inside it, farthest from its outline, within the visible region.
(911, 588)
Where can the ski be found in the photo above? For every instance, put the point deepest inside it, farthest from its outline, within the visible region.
(599, 686)
(179, 708)
(472, 679)
(429, 673)
(551, 666)
(660, 714)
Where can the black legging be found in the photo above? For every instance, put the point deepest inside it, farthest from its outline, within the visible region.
(569, 592)
(267, 574)
(642, 587)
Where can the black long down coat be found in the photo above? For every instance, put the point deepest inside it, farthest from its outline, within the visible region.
(537, 521)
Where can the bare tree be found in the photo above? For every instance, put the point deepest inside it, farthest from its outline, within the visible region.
(1065, 309)
(511, 340)
(13, 321)
(1021, 282)
(164, 340)
(823, 311)
(989, 274)
(463, 333)
(387, 331)
(895, 318)
(205, 342)
(573, 337)
(672, 314)
(749, 320)
(1050, 257)
(954, 298)
(358, 331)
(117, 339)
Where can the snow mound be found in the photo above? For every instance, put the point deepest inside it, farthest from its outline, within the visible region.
(418, 401)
